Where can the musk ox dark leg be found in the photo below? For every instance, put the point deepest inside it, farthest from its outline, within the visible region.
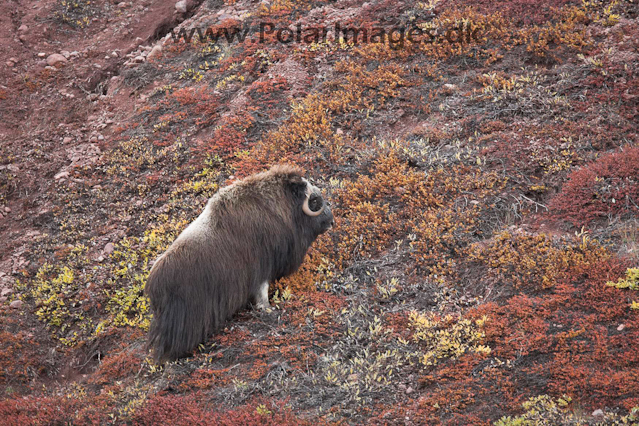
(261, 298)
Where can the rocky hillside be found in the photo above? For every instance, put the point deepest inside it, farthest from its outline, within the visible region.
(481, 159)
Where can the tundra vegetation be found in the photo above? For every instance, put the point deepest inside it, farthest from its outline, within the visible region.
(483, 264)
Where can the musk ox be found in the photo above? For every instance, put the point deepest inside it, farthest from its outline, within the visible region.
(252, 232)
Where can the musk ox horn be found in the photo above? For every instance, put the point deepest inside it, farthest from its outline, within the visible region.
(305, 206)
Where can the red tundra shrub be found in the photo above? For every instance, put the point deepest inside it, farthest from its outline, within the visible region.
(185, 410)
(521, 11)
(608, 186)
(56, 410)
(170, 409)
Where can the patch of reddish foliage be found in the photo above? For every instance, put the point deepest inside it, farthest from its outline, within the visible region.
(34, 357)
(184, 410)
(55, 410)
(567, 341)
(521, 11)
(607, 186)
(116, 367)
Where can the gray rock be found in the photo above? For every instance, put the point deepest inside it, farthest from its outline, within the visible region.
(155, 52)
(108, 249)
(56, 59)
(181, 6)
(61, 175)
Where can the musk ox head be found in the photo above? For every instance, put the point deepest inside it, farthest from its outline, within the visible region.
(252, 232)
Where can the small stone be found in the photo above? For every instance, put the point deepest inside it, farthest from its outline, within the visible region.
(621, 327)
(66, 54)
(16, 304)
(42, 55)
(67, 139)
(598, 413)
(122, 5)
(409, 390)
(10, 64)
(61, 175)
(155, 52)
(181, 6)
(7, 209)
(138, 59)
(100, 259)
(23, 28)
(100, 137)
(6, 292)
(56, 59)
(108, 249)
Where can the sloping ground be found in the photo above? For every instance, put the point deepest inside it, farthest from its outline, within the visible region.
(484, 184)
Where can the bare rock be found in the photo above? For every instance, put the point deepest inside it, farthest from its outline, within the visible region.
(181, 6)
(56, 60)
(449, 88)
(155, 52)
(6, 292)
(61, 175)
(108, 249)
(16, 304)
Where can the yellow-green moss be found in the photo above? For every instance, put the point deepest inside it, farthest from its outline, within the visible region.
(631, 282)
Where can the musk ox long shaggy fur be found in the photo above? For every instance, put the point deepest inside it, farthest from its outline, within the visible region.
(252, 232)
